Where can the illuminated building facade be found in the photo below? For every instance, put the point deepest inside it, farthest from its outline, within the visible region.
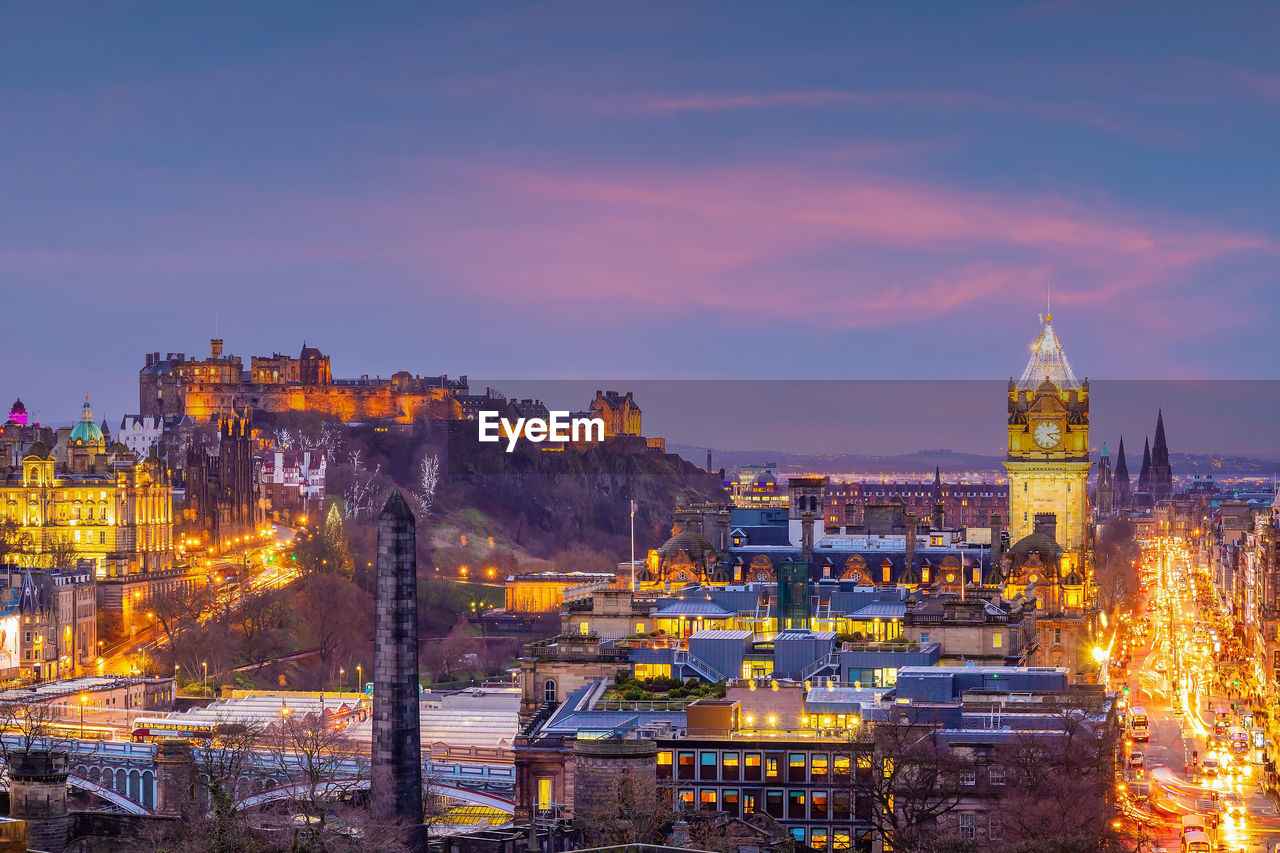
(292, 482)
(219, 384)
(57, 629)
(944, 505)
(1048, 446)
(102, 505)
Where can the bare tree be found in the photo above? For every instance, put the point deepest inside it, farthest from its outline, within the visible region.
(31, 717)
(226, 767)
(14, 539)
(323, 767)
(427, 482)
(284, 438)
(902, 780)
(631, 811)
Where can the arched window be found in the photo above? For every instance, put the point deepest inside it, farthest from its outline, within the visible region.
(549, 690)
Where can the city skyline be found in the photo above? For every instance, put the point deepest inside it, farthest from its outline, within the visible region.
(677, 195)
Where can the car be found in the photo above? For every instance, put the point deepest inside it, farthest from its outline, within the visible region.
(1232, 804)
(1136, 759)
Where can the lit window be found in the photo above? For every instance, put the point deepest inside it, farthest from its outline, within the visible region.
(997, 640)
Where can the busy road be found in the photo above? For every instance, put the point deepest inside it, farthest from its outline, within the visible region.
(1194, 749)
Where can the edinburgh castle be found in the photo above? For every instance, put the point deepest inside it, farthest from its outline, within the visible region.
(219, 384)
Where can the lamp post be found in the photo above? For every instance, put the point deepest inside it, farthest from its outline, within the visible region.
(360, 679)
(204, 681)
(342, 681)
(84, 698)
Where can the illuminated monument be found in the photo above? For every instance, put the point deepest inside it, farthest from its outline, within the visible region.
(1048, 447)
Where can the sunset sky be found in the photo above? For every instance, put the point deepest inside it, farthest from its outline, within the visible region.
(641, 190)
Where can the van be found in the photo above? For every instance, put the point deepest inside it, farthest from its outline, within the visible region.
(1210, 764)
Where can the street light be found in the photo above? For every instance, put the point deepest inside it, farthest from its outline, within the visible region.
(84, 697)
(204, 681)
(360, 678)
(342, 680)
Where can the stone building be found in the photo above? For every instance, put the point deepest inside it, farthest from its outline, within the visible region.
(222, 483)
(219, 385)
(57, 634)
(102, 504)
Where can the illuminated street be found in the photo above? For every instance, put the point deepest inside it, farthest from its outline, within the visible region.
(1187, 769)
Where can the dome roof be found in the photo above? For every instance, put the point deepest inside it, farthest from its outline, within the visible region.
(1040, 542)
(1073, 579)
(38, 450)
(693, 543)
(17, 406)
(87, 432)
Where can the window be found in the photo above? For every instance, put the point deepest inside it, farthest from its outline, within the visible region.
(752, 771)
(995, 775)
(729, 801)
(818, 840)
(795, 767)
(664, 764)
(924, 635)
(707, 765)
(686, 796)
(818, 769)
(771, 767)
(584, 628)
(549, 691)
(995, 827)
(684, 765)
(639, 627)
(997, 640)
(818, 805)
(748, 803)
(968, 777)
(795, 805)
(1057, 636)
(841, 767)
(797, 833)
(841, 840)
(840, 805)
(707, 800)
(773, 803)
(967, 826)
(729, 766)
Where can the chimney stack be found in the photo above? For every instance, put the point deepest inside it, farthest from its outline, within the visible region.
(912, 521)
(806, 538)
(997, 545)
(1047, 523)
(215, 347)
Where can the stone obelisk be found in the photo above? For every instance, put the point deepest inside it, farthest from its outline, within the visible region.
(396, 795)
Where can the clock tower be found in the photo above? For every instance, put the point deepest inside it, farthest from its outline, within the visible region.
(1048, 447)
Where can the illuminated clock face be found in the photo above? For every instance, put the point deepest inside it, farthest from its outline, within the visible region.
(951, 578)
(1048, 434)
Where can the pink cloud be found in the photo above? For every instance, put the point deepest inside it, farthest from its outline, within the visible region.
(840, 248)
(837, 98)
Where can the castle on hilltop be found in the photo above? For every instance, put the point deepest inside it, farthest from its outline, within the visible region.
(202, 388)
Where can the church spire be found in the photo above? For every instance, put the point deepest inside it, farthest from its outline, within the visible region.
(1160, 450)
(1120, 479)
(1144, 476)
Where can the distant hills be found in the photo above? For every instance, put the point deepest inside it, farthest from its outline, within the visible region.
(918, 463)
